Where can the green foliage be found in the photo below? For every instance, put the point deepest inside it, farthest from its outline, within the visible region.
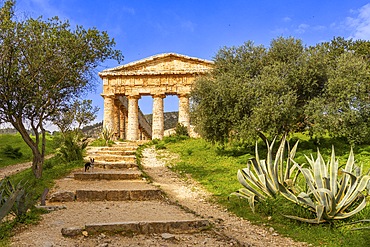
(15, 199)
(264, 178)
(216, 171)
(79, 113)
(285, 88)
(7, 197)
(107, 135)
(15, 140)
(10, 152)
(343, 109)
(34, 189)
(101, 142)
(330, 195)
(181, 130)
(72, 149)
(45, 66)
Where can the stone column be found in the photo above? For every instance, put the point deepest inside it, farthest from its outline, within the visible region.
(184, 115)
(133, 118)
(116, 118)
(108, 121)
(158, 117)
(122, 121)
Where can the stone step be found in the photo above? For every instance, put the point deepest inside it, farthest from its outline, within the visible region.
(113, 158)
(119, 195)
(111, 152)
(114, 148)
(115, 165)
(141, 227)
(108, 175)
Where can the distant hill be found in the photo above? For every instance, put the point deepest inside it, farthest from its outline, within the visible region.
(170, 121)
(8, 131)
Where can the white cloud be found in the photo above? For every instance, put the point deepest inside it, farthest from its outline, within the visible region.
(36, 8)
(128, 10)
(287, 19)
(360, 24)
(302, 28)
(188, 25)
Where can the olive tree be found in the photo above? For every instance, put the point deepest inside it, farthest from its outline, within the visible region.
(44, 67)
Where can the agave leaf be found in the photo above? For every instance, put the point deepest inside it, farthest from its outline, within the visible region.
(319, 212)
(287, 194)
(306, 200)
(243, 177)
(256, 165)
(354, 191)
(363, 183)
(349, 190)
(311, 221)
(319, 174)
(359, 221)
(361, 206)
(7, 206)
(333, 167)
(289, 167)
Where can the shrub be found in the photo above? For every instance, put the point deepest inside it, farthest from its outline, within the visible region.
(73, 147)
(181, 130)
(10, 152)
(14, 199)
(264, 178)
(107, 135)
(330, 194)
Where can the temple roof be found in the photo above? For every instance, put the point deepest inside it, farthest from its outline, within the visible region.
(166, 63)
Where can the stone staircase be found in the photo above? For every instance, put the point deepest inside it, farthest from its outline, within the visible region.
(115, 186)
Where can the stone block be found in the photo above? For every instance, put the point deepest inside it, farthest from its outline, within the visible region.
(72, 231)
(118, 195)
(128, 227)
(143, 195)
(62, 196)
(91, 195)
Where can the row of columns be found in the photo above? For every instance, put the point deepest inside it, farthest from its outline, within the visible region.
(126, 123)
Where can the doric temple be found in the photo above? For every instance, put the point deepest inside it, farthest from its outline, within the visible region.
(157, 76)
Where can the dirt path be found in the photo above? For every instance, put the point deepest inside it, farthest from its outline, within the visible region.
(228, 230)
(190, 195)
(10, 170)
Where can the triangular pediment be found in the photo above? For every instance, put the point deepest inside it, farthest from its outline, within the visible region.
(167, 63)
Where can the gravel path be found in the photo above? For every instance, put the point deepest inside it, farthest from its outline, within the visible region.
(10, 170)
(190, 195)
(228, 229)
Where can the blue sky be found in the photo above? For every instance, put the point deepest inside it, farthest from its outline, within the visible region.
(199, 28)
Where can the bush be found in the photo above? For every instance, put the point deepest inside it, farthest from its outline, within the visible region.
(15, 199)
(181, 130)
(73, 147)
(10, 152)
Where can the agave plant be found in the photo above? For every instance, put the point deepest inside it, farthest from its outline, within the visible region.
(264, 178)
(8, 197)
(330, 194)
(107, 134)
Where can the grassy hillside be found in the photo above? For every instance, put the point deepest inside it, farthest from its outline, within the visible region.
(216, 167)
(16, 141)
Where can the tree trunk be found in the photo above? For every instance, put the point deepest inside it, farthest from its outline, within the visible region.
(38, 161)
(38, 157)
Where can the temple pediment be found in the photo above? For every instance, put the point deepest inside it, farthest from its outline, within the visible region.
(167, 63)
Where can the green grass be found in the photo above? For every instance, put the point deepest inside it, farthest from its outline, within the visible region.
(53, 170)
(15, 141)
(216, 168)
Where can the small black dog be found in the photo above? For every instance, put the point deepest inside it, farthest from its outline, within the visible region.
(89, 164)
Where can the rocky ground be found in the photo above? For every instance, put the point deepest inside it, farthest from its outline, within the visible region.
(227, 230)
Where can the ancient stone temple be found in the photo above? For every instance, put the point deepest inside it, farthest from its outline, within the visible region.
(157, 76)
